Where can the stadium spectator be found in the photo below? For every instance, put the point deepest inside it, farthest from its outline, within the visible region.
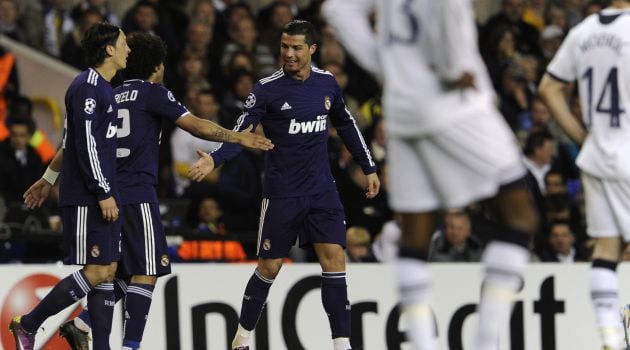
(9, 21)
(511, 15)
(99, 6)
(244, 37)
(561, 245)
(358, 242)
(57, 24)
(455, 242)
(71, 45)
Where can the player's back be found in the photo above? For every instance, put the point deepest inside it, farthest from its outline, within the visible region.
(141, 106)
(597, 54)
(415, 40)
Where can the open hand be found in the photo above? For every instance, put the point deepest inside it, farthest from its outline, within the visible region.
(202, 167)
(35, 196)
(247, 138)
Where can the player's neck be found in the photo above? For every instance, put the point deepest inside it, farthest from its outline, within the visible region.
(300, 75)
(107, 71)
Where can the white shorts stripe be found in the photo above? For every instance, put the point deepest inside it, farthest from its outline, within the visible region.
(81, 232)
(263, 210)
(149, 239)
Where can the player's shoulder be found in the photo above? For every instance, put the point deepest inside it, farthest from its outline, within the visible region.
(323, 76)
(269, 80)
(88, 78)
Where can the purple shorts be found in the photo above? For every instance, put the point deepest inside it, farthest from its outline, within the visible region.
(87, 238)
(318, 218)
(144, 247)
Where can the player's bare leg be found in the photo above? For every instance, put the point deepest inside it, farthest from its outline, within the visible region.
(413, 278)
(505, 260)
(254, 300)
(334, 292)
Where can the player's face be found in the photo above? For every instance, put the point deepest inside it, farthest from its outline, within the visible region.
(295, 53)
(121, 51)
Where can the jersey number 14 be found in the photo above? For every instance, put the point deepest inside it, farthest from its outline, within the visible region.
(608, 101)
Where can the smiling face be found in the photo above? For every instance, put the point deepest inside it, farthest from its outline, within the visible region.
(296, 55)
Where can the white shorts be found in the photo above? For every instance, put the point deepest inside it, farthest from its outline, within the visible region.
(453, 167)
(607, 207)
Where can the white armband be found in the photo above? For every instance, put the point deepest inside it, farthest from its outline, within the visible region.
(50, 176)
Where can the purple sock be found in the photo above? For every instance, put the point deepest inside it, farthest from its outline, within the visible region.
(120, 288)
(254, 300)
(68, 291)
(137, 305)
(336, 304)
(101, 308)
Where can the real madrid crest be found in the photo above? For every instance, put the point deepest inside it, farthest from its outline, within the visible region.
(327, 103)
(266, 244)
(164, 260)
(95, 251)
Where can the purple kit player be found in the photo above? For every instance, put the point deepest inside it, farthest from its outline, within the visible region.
(88, 192)
(142, 104)
(300, 197)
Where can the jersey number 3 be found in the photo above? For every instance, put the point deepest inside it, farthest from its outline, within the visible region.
(608, 101)
(124, 130)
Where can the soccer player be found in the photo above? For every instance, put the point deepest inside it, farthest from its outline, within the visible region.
(142, 104)
(447, 146)
(300, 199)
(88, 194)
(596, 56)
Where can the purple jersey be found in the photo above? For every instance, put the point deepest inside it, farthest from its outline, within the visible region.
(294, 115)
(141, 107)
(89, 142)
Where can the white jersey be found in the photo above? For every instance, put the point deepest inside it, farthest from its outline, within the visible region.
(419, 45)
(596, 53)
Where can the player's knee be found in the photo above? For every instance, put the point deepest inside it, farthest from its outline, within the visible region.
(98, 274)
(269, 268)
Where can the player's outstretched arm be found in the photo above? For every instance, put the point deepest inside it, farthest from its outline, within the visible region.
(35, 195)
(208, 130)
(374, 185)
(552, 93)
(202, 167)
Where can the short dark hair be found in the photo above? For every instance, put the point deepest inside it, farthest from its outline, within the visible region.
(536, 140)
(148, 51)
(301, 27)
(95, 40)
(28, 122)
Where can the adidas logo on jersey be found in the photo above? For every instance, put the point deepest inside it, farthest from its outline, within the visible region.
(310, 126)
(285, 106)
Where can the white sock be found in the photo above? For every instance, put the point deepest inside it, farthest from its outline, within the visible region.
(604, 287)
(242, 337)
(504, 265)
(341, 343)
(414, 286)
(80, 324)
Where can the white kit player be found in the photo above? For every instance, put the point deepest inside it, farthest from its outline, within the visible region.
(596, 55)
(448, 146)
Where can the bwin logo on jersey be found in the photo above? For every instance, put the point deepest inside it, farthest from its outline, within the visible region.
(307, 127)
(111, 131)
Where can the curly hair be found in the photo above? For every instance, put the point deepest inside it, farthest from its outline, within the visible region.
(95, 42)
(148, 52)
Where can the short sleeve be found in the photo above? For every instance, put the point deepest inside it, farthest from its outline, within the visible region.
(563, 65)
(164, 103)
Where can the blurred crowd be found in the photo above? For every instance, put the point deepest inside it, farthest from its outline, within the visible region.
(217, 51)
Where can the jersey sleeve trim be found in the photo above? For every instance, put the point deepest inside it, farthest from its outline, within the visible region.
(556, 77)
(95, 164)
